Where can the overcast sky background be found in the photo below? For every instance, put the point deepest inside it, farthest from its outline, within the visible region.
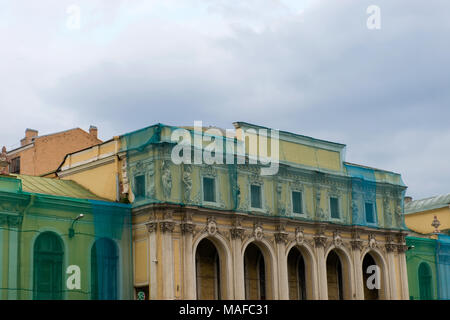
(309, 67)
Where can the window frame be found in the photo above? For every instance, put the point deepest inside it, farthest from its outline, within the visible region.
(302, 202)
(374, 214)
(215, 202)
(338, 198)
(261, 189)
(136, 196)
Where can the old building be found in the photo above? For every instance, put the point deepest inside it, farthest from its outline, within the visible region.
(41, 155)
(58, 240)
(316, 228)
(428, 259)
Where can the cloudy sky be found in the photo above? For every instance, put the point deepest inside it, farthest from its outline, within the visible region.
(307, 66)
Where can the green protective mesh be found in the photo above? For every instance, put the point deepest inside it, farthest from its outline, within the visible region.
(364, 186)
(443, 261)
(46, 253)
(422, 268)
(148, 148)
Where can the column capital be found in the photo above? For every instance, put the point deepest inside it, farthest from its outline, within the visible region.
(320, 241)
(167, 226)
(281, 237)
(357, 244)
(151, 226)
(187, 227)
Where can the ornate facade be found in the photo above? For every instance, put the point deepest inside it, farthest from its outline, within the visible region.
(310, 231)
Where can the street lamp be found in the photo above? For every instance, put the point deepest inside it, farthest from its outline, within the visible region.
(71, 230)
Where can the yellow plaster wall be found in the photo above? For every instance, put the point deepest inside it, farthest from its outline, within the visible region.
(141, 267)
(421, 221)
(100, 180)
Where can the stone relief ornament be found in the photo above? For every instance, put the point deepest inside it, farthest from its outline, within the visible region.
(151, 180)
(398, 215)
(166, 179)
(320, 214)
(372, 241)
(281, 209)
(299, 236)
(337, 239)
(211, 226)
(387, 212)
(187, 182)
(258, 231)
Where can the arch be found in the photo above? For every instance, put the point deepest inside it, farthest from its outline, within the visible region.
(339, 273)
(296, 275)
(425, 283)
(104, 270)
(224, 259)
(207, 267)
(48, 255)
(311, 283)
(266, 260)
(384, 288)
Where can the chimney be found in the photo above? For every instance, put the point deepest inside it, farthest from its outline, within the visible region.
(29, 135)
(408, 199)
(93, 131)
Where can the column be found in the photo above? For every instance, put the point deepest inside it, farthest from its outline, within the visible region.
(358, 272)
(13, 224)
(390, 248)
(320, 242)
(283, 284)
(403, 272)
(187, 230)
(153, 270)
(167, 259)
(238, 263)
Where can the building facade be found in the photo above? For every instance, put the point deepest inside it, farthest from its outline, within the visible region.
(428, 258)
(60, 241)
(41, 155)
(317, 229)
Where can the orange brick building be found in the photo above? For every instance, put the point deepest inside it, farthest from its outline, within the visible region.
(41, 155)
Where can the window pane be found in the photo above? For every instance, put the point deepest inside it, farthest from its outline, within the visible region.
(297, 202)
(209, 193)
(369, 213)
(334, 207)
(256, 196)
(140, 186)
(14, 166)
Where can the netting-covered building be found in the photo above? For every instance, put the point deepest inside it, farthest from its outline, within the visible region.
(60, 241)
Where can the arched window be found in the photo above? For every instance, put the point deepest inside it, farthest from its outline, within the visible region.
(334, 277)
(370, 293)
(48, 267)
(296, 275)
(255, 273)
(425, 282)
(207, 271)
(104, 271)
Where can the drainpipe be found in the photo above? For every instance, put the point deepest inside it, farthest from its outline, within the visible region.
(116, 171)
(438, 248)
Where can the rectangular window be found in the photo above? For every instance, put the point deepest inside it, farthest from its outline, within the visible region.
(256, 196)
(14, 166)
(209, 190)
(334, 207)
(139, 182)
(370, 217)
(297, 202)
